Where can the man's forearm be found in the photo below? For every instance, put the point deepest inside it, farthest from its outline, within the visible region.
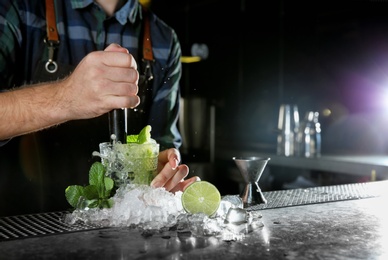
(29, 109)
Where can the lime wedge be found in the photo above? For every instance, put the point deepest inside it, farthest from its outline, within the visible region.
(201, 197)
(144, 135)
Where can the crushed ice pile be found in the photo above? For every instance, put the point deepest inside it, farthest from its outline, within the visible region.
(155, 209)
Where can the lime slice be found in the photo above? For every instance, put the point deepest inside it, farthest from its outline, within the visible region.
(201, 197)
(144, 135)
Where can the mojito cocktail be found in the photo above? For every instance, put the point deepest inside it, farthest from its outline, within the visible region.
(140, 161)
(134, 162)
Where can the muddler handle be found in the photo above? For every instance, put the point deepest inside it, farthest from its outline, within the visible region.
(117, 125)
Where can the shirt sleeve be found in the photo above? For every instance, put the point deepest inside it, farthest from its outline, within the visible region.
(10, 35)
(166, 104)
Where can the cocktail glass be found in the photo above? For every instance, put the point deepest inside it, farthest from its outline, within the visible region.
(130, 163)
(251, 169)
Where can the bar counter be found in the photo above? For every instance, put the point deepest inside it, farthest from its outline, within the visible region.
(343, 227)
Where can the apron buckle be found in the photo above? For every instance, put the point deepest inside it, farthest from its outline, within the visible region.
(51, 66)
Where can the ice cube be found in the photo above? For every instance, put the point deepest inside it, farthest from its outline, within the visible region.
(196, 223)
(241, 228)
(227, 202)
(236, 216)
(212, 226)
(256, 224)
(235, 200)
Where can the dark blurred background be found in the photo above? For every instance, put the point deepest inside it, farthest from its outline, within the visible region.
(321, 56)
(327, 56)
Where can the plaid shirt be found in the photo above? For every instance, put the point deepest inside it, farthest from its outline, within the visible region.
(84, 27)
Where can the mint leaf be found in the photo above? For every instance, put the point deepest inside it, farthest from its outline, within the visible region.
(96, 174)
(132, 138)
(96, 178)
(73, 193)
(91, 192)
(106, 203)
(109, 184)
(93, 203)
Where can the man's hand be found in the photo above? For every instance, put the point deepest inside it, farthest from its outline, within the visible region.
(102, 81)
(170, 174)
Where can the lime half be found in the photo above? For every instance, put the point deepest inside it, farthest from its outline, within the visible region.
(201, 197)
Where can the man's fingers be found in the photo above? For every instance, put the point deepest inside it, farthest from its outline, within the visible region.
(121, 74)
(184, 184)
(116, 47)
(165, 175)
(123, 101)
(181, 172)
(118, 59)
(113, 56)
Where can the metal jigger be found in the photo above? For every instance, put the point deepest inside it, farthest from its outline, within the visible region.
(251, 169)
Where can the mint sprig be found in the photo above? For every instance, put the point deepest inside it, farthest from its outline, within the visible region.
(95, 195)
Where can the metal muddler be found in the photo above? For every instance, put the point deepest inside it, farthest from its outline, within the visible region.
(117, 125)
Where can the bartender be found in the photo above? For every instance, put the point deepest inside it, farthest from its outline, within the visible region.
(65, 65)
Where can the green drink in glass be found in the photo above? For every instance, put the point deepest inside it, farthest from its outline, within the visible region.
(134, 162)
(140, 161)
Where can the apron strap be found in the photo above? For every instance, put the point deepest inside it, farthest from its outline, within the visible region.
(52, 40)
(137, 117)
(147, 46)
(148, 56)
(52, 32)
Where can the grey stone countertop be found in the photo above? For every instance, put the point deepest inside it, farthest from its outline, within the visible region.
(347, 229)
